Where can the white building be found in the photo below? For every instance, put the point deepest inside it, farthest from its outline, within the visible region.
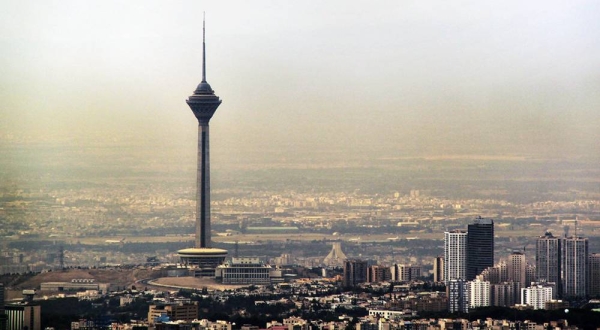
(455, 255)
(536, 296)
(479, 293)
(244, 271)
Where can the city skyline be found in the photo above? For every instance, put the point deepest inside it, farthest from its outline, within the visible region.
(384, 128)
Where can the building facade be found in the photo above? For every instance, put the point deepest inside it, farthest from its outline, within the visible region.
(378, 273)
(594, 275)
(458, 296)
(574, 267)
(3, 322)
(19, 317)
(536, 296)
(479, 293)
(548, 253)
(175, 312)
(244, 271)
(517, 268)
(505, 294)
(438, 269)
(406, 272)
(355, 272)
(480, 247)
(455, 255)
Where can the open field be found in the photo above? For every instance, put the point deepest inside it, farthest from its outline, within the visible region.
(193, 282)
(117, 276)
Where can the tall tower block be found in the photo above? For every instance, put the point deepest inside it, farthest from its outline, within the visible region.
(548, 262)
(455, 255)
(203, 103)
(574, 267)
(480, 247)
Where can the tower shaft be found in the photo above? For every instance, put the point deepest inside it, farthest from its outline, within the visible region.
(203, 238)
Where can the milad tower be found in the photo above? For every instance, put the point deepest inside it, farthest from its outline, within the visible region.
(202, 258)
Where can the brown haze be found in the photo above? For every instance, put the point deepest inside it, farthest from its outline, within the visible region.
(302, 83)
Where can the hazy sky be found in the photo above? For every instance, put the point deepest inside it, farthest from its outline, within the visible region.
(427, 77)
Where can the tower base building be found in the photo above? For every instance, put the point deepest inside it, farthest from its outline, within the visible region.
(202, 262)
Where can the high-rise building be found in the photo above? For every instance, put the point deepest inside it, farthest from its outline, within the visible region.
(2, 315)
(536, 295)
(438, 269)
(480, 246)
(548, 260)
(406, 272)
(479, 293)
(203, 103)
(529, 274)
(1, 298)
(594, 275)
(355, 272)
(496, 274)
(455, 255)
(376, 274)
(505, 294)
(574, 267)
(457, 292)
(21, 317)
(517, 268)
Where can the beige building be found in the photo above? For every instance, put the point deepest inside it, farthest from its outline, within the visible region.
(517, 268)
(176, 312)
(20, 317)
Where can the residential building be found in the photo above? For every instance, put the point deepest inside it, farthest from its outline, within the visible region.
(458, 295)
(594, 275)
(355, 272)
(548, 253)
(479, 293)
(536, 296)
(378, 273)
(455, 255)
(574, 267)
(505, 294)
(438, 269)
(406, 272)
(517, 268)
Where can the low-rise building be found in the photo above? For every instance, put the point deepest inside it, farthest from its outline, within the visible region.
(244, 271)
(175, 312)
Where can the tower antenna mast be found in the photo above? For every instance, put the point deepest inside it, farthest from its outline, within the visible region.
(204, 47)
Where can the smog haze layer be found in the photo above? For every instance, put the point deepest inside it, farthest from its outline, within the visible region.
(503, 90)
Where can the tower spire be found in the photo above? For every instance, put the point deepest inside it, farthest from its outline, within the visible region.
(204, 47)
